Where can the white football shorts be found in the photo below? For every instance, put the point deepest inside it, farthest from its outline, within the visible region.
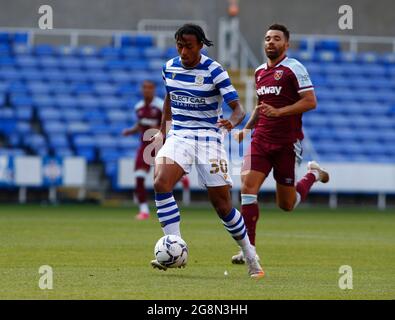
(209, 157)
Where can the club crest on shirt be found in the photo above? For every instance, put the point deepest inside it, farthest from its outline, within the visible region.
(278, 74)
(173, 75)
(199, 79)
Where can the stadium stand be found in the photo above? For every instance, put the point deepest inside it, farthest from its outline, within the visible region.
(62, 100)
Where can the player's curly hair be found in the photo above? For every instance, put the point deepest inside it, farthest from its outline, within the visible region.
(194, 29)
(280, 27)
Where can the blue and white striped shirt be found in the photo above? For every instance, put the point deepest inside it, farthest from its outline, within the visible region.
(196, 96)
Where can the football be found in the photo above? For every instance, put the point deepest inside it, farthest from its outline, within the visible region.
(171, 251)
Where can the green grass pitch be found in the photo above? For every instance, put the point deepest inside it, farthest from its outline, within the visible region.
(103, 253)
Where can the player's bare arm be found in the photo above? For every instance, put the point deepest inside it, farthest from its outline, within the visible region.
(239, 136)
(236, 117)
(307, 102)
(130, 131)
(166, 117)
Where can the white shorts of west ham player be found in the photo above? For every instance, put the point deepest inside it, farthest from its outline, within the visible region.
(209, 158)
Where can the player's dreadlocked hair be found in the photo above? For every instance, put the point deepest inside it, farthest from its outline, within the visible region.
(194, 29)
(282, 28)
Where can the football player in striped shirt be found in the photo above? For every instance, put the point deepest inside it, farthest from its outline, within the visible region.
(196, 87)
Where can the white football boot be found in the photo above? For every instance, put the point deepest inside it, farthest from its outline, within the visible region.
(323, 175)
(156, 265)
(239, 258)
(254, 268)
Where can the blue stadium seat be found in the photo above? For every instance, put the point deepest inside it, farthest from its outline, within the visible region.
(21, 48)
(116, 128)
(121, 76)
(20, 38)
(26, 61)
(328, 45)
(24, 113)
(117, 115)
(131, 52)
(96, 75)
(87, 51)
(37, 87)
(387, 58)
(115, 64)
(23, 127)
(129, 143)
(137, 40)
(42, 101)
(63, 152)
(31, 74)
(79, 127)
(58, 141)
(100, 128)
(64, 101)
(35, 141)
(156, 64)
(75, 75)
(327, 56)
(70, 63)
(368, 57)
(109, 52)
(65, 51)
(81, 88)
(136, 65)
(92, 63)
(348, 56)
(8, 73)
(111, 168)
(109, 154)
(171, 53)
(361, 121)
(72, 114)
(48, 62)
(52, 127)
(7, 61)
(84, 141)
(154, 53)
(87, 153)
(105, 141)
(43, 50)
(110, 102)
(94, 114)
(88, 101)
(53, 75)
(104, 88)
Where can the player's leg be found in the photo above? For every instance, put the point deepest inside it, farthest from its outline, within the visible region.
(234, 224)
(140, 172)
(251, 182)
(213, 173)
(167, 173)
(171, 163)
(288, 195)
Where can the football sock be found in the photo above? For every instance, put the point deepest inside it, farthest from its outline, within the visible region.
(250, 212)
(144, 207)
(168, 213)
(141, 193)
(304, 185)
(234, 223)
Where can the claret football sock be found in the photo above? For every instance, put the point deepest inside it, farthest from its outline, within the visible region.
(250, 212)
(304, 185)
(168, 213)
(140, 191)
